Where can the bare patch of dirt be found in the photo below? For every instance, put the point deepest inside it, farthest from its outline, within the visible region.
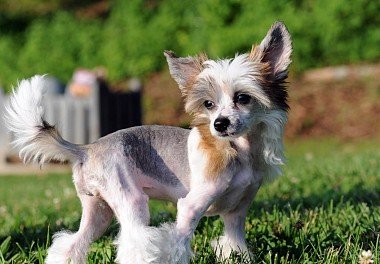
(162, 102)
(342, 101)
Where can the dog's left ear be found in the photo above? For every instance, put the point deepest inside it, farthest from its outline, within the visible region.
(184, 70)
(276, 49)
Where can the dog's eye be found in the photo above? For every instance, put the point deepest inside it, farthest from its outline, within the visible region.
(208, 104)
(242, 99)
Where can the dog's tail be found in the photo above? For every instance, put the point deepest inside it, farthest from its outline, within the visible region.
(37, 140)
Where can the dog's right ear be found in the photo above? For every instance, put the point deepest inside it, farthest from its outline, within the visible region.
(184, 70)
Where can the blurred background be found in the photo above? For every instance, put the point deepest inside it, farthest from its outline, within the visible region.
(107, 71)
(334, 78)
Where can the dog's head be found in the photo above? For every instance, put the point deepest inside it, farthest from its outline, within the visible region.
(230, 94)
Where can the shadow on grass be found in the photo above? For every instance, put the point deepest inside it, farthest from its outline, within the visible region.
(35, 238)
(291, 241)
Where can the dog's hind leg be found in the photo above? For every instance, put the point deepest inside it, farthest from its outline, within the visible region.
(96, 217)
(130, 206)
(133, 239)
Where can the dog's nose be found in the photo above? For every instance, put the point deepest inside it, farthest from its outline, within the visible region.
(221, 124)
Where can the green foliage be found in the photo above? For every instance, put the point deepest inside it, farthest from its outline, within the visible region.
(58, 47)
(130, 41)
(325, 209)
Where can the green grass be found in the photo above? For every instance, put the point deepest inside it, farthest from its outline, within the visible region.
(325, 209)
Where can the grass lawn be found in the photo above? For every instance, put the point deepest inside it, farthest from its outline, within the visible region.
(325, 209)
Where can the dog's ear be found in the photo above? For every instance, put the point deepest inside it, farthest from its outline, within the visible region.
(184, 70)
(276, 49)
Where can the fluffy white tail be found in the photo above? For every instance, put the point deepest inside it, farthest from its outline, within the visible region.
(37, 140)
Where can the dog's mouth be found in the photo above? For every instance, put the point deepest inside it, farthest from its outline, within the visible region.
(233, 132)
(230, 133)
(226, 134)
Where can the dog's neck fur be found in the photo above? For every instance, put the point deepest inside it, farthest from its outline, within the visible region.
(219, 152)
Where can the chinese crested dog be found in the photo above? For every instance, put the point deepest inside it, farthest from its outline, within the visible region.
(239, 108)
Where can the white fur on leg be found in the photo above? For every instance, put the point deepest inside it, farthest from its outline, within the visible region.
(223, 247)
(131, 245)
(143, 244)
(168, 246)
(66, 247)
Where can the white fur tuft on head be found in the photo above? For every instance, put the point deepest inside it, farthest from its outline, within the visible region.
(238, 72)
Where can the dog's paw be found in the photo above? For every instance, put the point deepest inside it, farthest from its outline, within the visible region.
(132, 245)
(168, 246)
(65, 248)
(224, 248)
(153, 245)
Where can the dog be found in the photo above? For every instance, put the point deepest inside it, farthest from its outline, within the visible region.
(239, 108)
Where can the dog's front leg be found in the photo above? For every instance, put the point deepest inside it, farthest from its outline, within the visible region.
(191, 208)
(170, 243)
(233, 238)
(210, 177)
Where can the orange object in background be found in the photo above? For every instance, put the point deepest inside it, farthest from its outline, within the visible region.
(82, 83)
